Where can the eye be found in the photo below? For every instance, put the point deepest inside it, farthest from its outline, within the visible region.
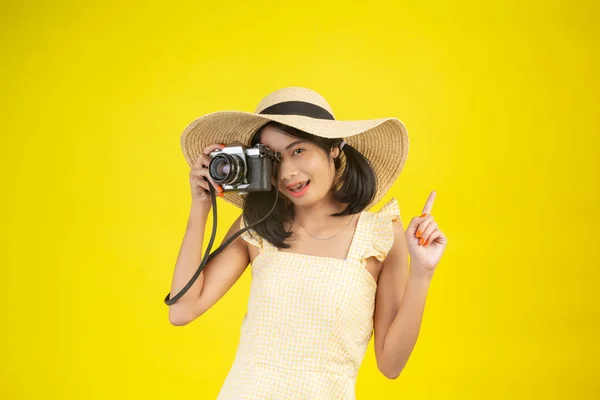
(297, 151)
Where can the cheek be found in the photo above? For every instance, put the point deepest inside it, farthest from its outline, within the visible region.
(321, 168)
(311, 166)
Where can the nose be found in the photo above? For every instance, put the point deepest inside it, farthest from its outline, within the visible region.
(287, 170)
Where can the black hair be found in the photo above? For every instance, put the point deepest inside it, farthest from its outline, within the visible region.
(356, 187)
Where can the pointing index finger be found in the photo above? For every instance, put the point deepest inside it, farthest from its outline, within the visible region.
(429, 203)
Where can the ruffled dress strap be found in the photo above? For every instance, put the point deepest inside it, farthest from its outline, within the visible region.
(382, 233)
(252, 237)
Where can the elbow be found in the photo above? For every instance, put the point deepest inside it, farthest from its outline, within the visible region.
(391, 376)
(177, 321)
(179, 316)
(388, 372)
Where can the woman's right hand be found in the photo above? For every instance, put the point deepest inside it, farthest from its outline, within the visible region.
(198, 173)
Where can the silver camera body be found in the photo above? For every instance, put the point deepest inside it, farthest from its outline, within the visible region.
(243, 169)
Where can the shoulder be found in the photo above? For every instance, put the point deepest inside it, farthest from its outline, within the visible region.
(386, 229)
(251, 240)
(399, 246)
(234, 228)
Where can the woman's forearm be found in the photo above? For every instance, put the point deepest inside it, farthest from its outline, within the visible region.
(188, 261)
(402, 335)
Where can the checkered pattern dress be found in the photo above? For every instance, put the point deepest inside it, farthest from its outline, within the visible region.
(309, 318)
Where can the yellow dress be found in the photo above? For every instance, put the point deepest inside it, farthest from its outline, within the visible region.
(309, 318)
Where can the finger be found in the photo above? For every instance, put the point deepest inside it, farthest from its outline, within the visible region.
(201, 160)
(198, 161)
(202, 182)
(434, 235)
(413, 225)
(441, 238)
(422, 225)
(429, 203)
(199, 181)
(428, 232)
(205, 160)
(213, 147)
(199, 172)
(203, 173)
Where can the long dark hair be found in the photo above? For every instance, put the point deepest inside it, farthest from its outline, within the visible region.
(356, 187)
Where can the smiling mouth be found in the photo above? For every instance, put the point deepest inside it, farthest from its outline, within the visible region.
(299, 187)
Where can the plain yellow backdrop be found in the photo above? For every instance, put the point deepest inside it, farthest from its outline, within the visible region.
(501, 102)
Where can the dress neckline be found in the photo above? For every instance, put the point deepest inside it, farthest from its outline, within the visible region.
(349, 255)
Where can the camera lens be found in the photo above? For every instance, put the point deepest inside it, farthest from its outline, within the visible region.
(227, 169)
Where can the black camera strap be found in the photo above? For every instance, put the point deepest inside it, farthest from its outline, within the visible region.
(209, 256)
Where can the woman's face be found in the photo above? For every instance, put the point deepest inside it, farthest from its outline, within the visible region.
(306, 173)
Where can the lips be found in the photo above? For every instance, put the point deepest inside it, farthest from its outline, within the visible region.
(299, 188)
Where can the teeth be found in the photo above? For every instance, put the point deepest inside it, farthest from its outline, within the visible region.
(297, 186)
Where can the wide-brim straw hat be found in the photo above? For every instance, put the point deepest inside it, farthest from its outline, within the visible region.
(384, 142)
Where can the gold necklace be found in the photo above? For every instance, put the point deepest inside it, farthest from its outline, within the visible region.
(331, 237)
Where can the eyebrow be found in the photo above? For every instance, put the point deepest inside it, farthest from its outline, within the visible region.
(289, 146)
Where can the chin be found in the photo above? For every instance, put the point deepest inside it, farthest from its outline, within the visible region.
(309, 199)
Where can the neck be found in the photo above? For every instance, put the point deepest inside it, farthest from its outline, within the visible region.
(318, 216)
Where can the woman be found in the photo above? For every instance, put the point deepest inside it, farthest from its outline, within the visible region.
(325, 272)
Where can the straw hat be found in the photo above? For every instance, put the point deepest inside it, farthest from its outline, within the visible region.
(384, 142)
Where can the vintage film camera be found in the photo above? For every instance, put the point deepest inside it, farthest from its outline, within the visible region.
(243, 169)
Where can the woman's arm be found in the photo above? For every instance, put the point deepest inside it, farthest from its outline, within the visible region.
(404, 290)
(403, 332)
(217, 277)
(188, 260)
(398, 308)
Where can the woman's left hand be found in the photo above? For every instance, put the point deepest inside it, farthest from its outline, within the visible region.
(425, 241)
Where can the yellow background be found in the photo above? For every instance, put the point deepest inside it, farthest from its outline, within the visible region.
(501, 102)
